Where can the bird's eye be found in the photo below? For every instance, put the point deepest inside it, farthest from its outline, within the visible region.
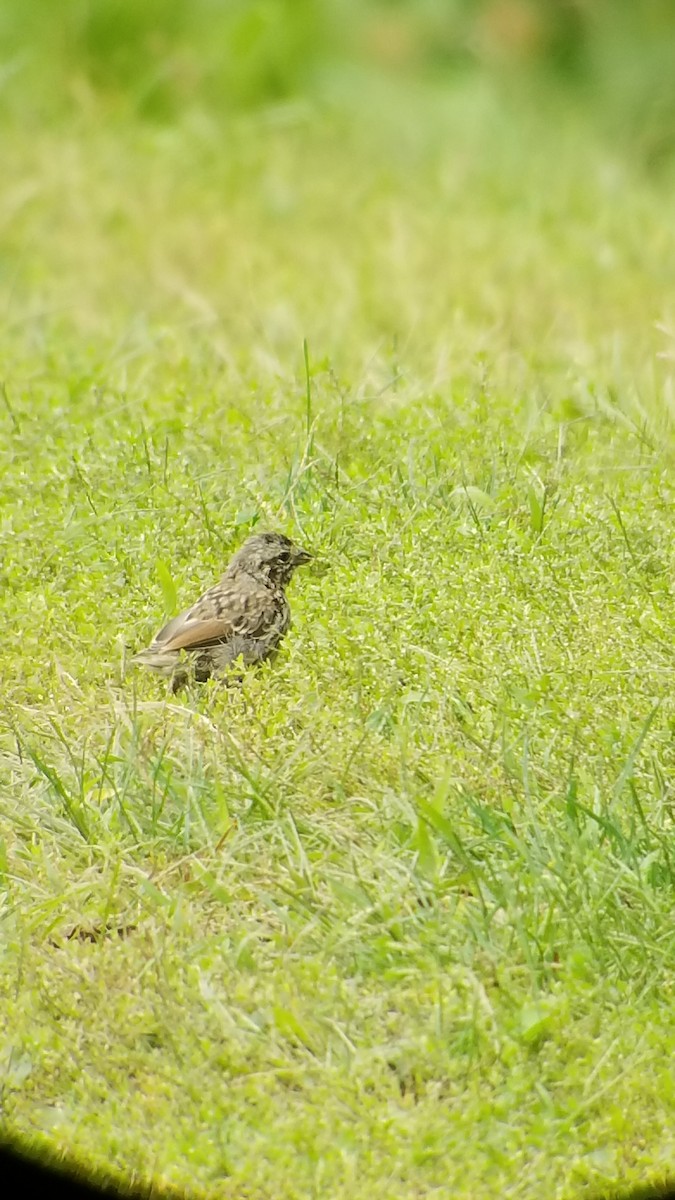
(284, 556)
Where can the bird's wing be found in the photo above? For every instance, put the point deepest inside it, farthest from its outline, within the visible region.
(220, 614)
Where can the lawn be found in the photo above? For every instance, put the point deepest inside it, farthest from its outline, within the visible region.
(393, 918)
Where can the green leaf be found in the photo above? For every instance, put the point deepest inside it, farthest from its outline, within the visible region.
(167, 585)
(440, 823)
(427, 855)
(291, 1027)
(473, 496)
(536, 1021)
(536, 498)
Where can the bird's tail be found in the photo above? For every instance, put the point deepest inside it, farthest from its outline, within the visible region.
(164, 661)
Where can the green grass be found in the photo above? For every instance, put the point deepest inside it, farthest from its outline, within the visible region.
(394, 919)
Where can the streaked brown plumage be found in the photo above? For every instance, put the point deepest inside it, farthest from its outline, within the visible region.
(245, 614)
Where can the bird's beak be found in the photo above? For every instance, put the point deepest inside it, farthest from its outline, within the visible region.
(301, 556)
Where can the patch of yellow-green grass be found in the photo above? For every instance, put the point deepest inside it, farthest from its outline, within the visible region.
(394, 918)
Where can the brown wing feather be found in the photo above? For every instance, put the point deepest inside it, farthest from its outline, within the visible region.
(219, 615)
(195, 634)
(171, 627)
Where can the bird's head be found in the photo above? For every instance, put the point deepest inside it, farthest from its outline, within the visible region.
(271, 557)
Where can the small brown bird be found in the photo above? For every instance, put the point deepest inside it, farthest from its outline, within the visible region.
(245, 614)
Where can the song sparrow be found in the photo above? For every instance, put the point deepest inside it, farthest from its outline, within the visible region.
(245, 615)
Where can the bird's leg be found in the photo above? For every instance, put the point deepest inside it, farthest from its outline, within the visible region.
(179, 678)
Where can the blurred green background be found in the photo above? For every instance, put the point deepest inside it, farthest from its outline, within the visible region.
(159, 57)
